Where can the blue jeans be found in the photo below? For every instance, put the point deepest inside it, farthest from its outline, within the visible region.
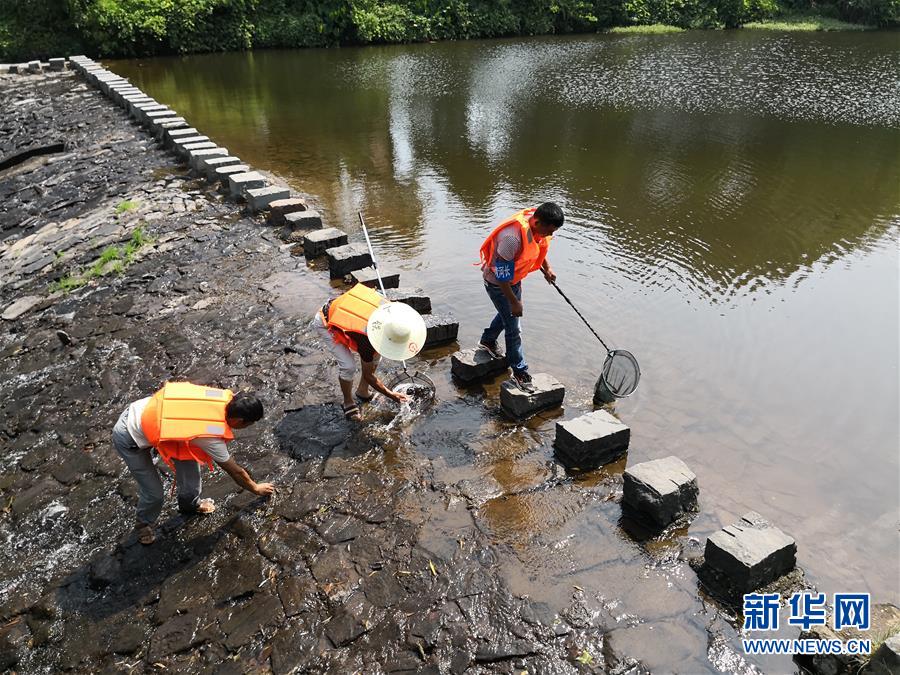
(504, 322)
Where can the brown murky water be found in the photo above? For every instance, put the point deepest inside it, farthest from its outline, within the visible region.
(733, 203)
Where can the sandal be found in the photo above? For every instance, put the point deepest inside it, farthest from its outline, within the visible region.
(364, 399)
(144, 533)
(351, 412)
(206, 506)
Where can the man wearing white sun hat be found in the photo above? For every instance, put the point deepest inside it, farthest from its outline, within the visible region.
(363, 321)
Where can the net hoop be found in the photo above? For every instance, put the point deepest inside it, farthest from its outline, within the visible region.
(621, 373)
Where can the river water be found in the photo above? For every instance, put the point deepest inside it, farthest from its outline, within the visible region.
(732, 201)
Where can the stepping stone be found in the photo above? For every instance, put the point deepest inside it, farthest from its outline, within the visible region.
(160, 128)
(140, 111)
(520, 404)
(196, 156)
(886, 657)
(159, 115)
(240, 182)
(208, 165)
(662, 489)
(199, 145)
(57, 64)
(175, 134)
(223, 173)
(347, 258)
(591, 440)
(13, 68)
(179, 143)
(282, 207)
(367, 277)
(34, 66)
(303, 220)
(471, 365)
(414, 297)
(751, 553)
(260, 198)
(317, 242)
(440, 328)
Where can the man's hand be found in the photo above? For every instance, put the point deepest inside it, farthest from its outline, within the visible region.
(264, 489)
(515, 307)
(549, 274)
(399, 398)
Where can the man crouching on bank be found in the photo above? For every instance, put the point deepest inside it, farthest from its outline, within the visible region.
(188, 425)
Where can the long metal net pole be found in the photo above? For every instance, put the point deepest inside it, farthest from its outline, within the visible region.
(553, 283)
(375, 265)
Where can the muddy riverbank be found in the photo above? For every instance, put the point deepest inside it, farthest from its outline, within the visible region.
(356, 565)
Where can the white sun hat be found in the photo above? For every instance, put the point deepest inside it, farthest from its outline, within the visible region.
(396, 331)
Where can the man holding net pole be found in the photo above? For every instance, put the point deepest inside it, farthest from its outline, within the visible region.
(516, 247)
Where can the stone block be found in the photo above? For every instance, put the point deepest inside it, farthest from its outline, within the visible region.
(187, 148)
(239, 182)
(367, 277)
(223, 173)
(140, 111)
(414, 297)
(471, 365)
(195, 156)
(347, 258)
(549, 393)
(440, 328)
(57, 64)
(34, 66)
(175, 134)
(751, 553)
(178, 143)
(282, 207)
(591, 440)
(317, 242)
(886, 658)
(259, 198)
(209, 165)
(303, 220)
(159, 115)
(12, 68)
(662, 489)
(159, 128)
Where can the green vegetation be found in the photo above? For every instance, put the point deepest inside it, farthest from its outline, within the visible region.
(113, 259)
(126, 205)
(806, 22)
(42, 28)
(654, 28)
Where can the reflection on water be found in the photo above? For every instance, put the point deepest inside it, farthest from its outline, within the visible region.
(733, 211)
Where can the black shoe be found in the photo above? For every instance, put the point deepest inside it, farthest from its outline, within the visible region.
(491, 348)
(523, 381)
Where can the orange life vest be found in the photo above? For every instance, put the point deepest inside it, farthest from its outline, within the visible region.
(533, 251)
(180, 412)
(350, 312)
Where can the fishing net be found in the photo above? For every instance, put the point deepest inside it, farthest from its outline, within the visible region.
(420, 388)
(619, 378)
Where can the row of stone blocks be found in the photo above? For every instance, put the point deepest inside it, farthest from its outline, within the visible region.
(202, 154)
(58, 64)
(749, 554)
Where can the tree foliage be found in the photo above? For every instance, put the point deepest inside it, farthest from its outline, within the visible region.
(41, 28)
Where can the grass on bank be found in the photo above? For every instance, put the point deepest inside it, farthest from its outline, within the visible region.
(652, 29)
(120, 257)
(127, 205)
(807, 22)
